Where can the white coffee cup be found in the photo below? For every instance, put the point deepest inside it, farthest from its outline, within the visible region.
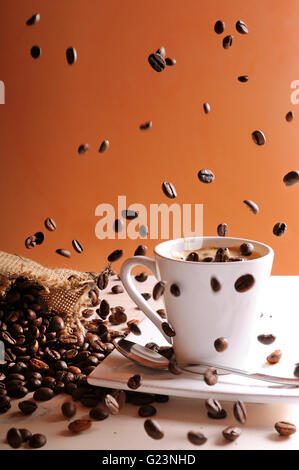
(199, 315)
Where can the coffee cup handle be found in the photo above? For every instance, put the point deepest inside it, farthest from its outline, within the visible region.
(125, 275)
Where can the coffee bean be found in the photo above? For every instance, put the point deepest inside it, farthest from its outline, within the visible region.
(104, 146)
(284, 428)
(196, 438)
(129, 214)
(170, 62)
(222, 255)
(112, 404)
(158, 290)
(243, 78)
(104, 309)
(258, 137)
(206, 108)
(43, 394)
(14, 438)
(266, 339)
(210, 376)
(71, 55)
(193, 256)
(175, 290)
(166, 351)
(168, 329)
(246, 249)
(161, 51)
(50, 224)
(221, 344)
(141, 277)
(134, 382)
(35, 52)
(222, 415)
(240, 412)
(83, 148)
(57, 323)
(115, 255)
(289, 116)
(146, 126)
(134, 328)
(37, 441)
(27, 407)
(244, 283)
(206, 176)
(213, 406)
(153, 429)
(141, 250)
(68, 409)
(146, 411)
(279, 229)
(231, 433)
(174, 368)
(157, 62)
(117, 289)
(118, 226)
(37, 365)
(241, 27)
(161, 312)
(30, 242)
(39, 238)
(26, 434)
(219, 27)
(274, 357)
(79, 425)
(34, 19)
(98, 413)
(222, 230)
(291, 178)
(63, 252)
(169, 190)
(215, 284)
(77, 246)
(227, 41)
(252, 206)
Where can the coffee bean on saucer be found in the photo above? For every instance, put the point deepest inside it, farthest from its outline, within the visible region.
(169, 190)
(215, 284)
(157, 62)
(145, 126)
(26, 434)
(34, 19)
(222, 230)
(161, 312)
(279, 229)
(161, 51)
(284, 428)
(219, 27)
(231, 433)
(141, 250)
(289, 116)
(129, 214)
(104, 146)
(246, 249)
(158, 290)
(146, 411)
(77, 246)
(134, 382)
(71, 55)
(206, 108)
(244, 283)
(240, 412)
(196, 438)
(168, 330)
(193, 256)
(27, 407)
(83, 148)
(117, 289)
(221, 344)
(241, 27)
(14, 438)
(115, 255)
(153, 429)
(222, 255)
(50, 224)
(63, 252)
(291, 178)
(252, 206)
(174, 368)
(169, 61)
(243, 78)
(227, 41)
(258, 137)
(35, 52)
(68, 409)
(274, 357)
(175, 290)
(266, 339)
(210, 376)
(206, 176)
(98, 413)
(141, 277)
(37, 440)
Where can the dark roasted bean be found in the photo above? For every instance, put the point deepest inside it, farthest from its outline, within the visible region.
(258, 137)
(37, 441)
(133, 327)
(153, 429)
(240, 412)
(193, 256)
(219, 27)
(168, 329)
(134, 382)
(206, 108)
(146, 295)
(246, 249)
(215, 284)
(243, 78)
(77, 246)
(252, 206)
(289, 116)
(169, 190)
(43, 394)
(35, 52)
(112, 404)
(196, 438)
(103, 280)
(26, 434)
(157, 62)
(145, 126)
(117, 289)
(98, 413)
(222, 230)
(206, 176)
(79, 425)
(158, 290)
(34, 19)
(244, 283)
(27, 407)
(63, 252)
(175, 290)
(279, 229)
(241, 27)
(161, 51)
(14, 438)
(222, 255)
(169, 61)
(104, 146)
(146, 411)
(266, 339)
(83, 148)
(71, 55)
(115, 255)
(68, 409)
(227, 41)
(174, 368)
(141, 277)
(291, 178)
(50, 224)
(141, 250)
(221, 344)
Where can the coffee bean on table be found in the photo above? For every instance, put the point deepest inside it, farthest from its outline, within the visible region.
(145, 126)
(153, 429)
(252, 206)
(246, 249)
(141, 277)
(243, 78)
(193, 256)
(289, 116)
(63, 252)
(240, 411)
(71, 55)
(37, 441)
(146, 411)
(211, 376)
(34, 19)
(231, 433)
(79, 425)
(112, 404)
(206, 108)
(115, 255)
(258, 137)
(50, 224)
(77, 246)
(175, 290)
(279, 229)
(68, 409)
(244, 283)
(134, 382)
(215, 410)
(227, 41)
(206, 176)
(26, 434)
(157, 62)
(98, 413)
(35, 52)
(170, 62)
(196, 438)
(219, 27)
(221, 415)
(222, 230)
(215, 284)
(291, 178)
(141, 250)
(274, 357)
(168, 329)
(117, 289)
(169, 190)
(14, 438)
(43, 394)
(158, 290)
(27, 407)
(161, 51)
(221, 344)
(83, 148)
(284, 428)
(104, 146)
(266, 339)
(241, 27)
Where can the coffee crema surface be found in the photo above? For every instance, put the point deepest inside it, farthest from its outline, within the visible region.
(215, 254)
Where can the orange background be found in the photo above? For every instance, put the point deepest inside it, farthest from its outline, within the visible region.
(51, 108)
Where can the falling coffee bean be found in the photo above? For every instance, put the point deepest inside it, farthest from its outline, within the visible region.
(175, 290)
(227, 41)
(266, 339)
(289, 116)
(215, 284)
(39, 238)
(221, 344)
(241, 27)
(129, 214)
(104, 146)
(37, 440)
(196, 438)
(141, 250)
(35, 52)
(79, 425)
(157, 62)
(211, 376)
(50, 224)
(240, 412)
(170, 62)
(206, 108)
(252, 206)
(222, 230)
(246, 249)
(158, 290)
(168, 330)
(153, 429)
(231, 433)
(206, 176)
(103, 280)
(68, 409)
(63, 252)
(146, 126)
(115, 255)
(71, 55)
(169, 190)
(291, 178)
(14, 438)
(219, 27)
(243, 78)
(134, 382)
(83, 148)
(258, 137)
(284, 428)
(161, 312)
(77, 246)
(146, 411)
(161, 51)
(142, 277)
(34, 19)
(27, 407)
(244, 283)
(274, 357)
(192, 257)
(279, 229)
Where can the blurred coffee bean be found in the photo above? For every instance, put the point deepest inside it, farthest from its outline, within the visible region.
(43, 394)
(285, 428)
(141, 250)
(252, 206)
(175, 290)
(170, 62)
(68, 409)
(222, 230)
(279, 229)
(193, 256)
(146, 411)
(158, 290)
(222, 255)
(153, 429)
(221, 344)
(63, 252)
(174, 368)
(146, 295)
(215, 284)
(35, 52)
(243, 78)
(111, 404)
(206, 108)
(133, 327)
(77, 246)
(115, 255)
(79, 425)
(240, 412)
(169, 190)
(231, 433)
(266, 339)
(211, 377)
(71, 55)
(34, 19)
(26, 434)
(168, 329)
(289, 116)
(14, 438)
(27, 407)
(50, 224)
(117, 289)
(98, 413)
(206, 176)
(241, 27)
(142, 277)
(104, 146)
(134, 382)
(274, 357)
(145, 126)
(227, 41)
(37, 441)
(83, 148)
(196, 438)
(291, 178)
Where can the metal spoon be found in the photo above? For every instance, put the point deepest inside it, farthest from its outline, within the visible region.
(152, 359)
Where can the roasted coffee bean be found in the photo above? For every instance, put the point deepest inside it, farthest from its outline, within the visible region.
(50, 224)
(146, 411)
(38, 366)
(37, 441)
(5, 404)
(7, 338)
(266, 339)
(60, 365)
(98, 413)
(69, 339)
(111, 404)
(174, 368)
(141, 250)
(258, 137)
(35, 52)
(231, 433)
(27, 407)
(43, 394)
(129, 214)
(221, 344)
(227, 41)
(206, 176)
(153, 429)
(77, 246)
(104, 309)
(68, 409)
(243, 78)
(161, 51)
(168, 329)
(252, 206)
(63, 252)
(117, 289)
(291, 178)
(222, 230)
(26, 434)
(115, 255)
(71, 55)
(117, 317)
(161, 312)
(244, 283)
(89, 400)
(279, 229)
(246, 249)
(83, 148)
(196, 438)
(169, 190)
(158, 290)
(175, 290)
(240, 412)
(14, 438)
(222, 255)
(87, 312)
(57, 323)
(134, 328)
(17, 391)
(169, 61)
(103, 280)
(33, 384)
(284, 428)
(34, 19)
(206, 108)
(141, 277)
(118, 225)
(79, 425)
(157, 62)
(289, 116)
(134, 382)
(241, 27)
(215, 284)
(193, 256)
(145, 126)
(215, 409)
(210, 376)
(49, 382)
(274, 357)
(219, 27)
(30, 242)
(146, 295)
(104, 146)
